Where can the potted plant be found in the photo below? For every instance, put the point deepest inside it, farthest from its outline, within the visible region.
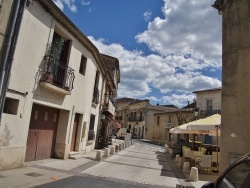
(51, 57)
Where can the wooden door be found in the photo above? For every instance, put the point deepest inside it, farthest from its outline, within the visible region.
(74, 133)
(42, 133)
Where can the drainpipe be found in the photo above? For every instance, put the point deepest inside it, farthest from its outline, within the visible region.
(9, 47)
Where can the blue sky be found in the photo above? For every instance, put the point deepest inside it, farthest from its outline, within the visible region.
(167, 48)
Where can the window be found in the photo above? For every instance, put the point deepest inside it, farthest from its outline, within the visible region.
(209, 105)
(158, 120)
(140, 115)
(83, 65)
(96, 93)
(170, 120)
(11, 106)
(237, 177)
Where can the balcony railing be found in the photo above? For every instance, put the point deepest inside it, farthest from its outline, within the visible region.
(168, 125)
(118, 117)
(96, 96)
(59, 75)
(206, 113)
(91, 135)
(135, 119)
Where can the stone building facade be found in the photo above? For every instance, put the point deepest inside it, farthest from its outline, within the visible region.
(235, 120)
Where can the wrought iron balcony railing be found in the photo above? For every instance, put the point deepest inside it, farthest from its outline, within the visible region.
(135, 119)
(59, 75)
(91, 135)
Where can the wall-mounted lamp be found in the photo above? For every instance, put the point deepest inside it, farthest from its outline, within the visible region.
(218, 4)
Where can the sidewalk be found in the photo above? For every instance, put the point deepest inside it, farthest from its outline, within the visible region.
(44, 171)
(140, 163)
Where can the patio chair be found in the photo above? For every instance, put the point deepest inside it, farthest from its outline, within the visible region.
(190, 154)
(205, 163)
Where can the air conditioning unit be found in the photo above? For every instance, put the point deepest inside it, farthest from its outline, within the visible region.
(168, 125)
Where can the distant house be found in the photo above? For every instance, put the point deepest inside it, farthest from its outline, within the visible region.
(138, 115)
(208, 102)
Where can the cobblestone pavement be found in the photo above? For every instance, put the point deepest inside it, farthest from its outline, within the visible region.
(140, 164)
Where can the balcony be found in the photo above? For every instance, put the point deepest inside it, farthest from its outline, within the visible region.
(58, 77)
(109, 107)
(135, 119)
(118, 117)
(168, 125)
(206, 113)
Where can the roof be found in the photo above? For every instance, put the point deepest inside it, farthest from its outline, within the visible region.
(213, 89)
(111, 63)
(130, 100)
(192, 105)
(162, 108)
(170, 105)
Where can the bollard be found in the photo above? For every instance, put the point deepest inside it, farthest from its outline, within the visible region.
(186, 167)
(193, 176)
(179, 162)
(116, 148)
(177, 157)
(112, 150)
(124, 146)
(98, 156)
(120, 147)
(106, 152)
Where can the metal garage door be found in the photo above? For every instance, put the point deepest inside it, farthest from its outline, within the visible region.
(42, 133)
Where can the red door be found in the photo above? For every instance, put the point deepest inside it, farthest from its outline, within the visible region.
(74, 133)
(42, 133)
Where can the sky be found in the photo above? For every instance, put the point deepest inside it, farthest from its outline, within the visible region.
(167, 49)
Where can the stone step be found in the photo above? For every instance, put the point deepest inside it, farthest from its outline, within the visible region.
(75, 155)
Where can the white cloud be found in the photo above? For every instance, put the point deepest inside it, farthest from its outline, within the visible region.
(70, 4)
(187, 41)
(85, 2)
(188, 26)
(179, 100)
(147, 15)
(140, 73)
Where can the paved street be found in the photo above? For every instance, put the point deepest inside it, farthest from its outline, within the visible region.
(140, 165)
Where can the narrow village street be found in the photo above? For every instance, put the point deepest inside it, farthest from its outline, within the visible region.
(140, 165)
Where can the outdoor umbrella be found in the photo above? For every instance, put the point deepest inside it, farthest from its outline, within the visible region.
(211, 123)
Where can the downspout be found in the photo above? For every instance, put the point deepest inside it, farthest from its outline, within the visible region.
(146, 119)
(100, 113)
(9, 48)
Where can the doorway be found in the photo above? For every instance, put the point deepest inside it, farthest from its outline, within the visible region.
(42, 133)
(74, 133)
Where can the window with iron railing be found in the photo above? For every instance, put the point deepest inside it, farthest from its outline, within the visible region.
(96, 93)
(96, 96)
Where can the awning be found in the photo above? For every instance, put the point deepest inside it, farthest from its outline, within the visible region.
(111, 118)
